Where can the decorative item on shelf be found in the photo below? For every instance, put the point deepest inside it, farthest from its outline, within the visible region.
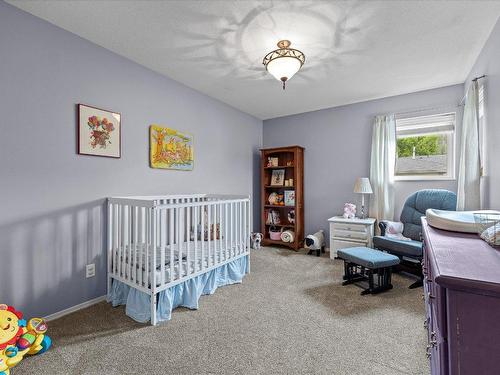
(272, 162)
(315, 242)
(289, 163)
(362, 186)
(287, 236)
(289, 198)
(276, 199)
(99, 132)
(273, 217)
(278, 177)
(170, 149)
(291, 216)
(284, 62)
(287, 183)
(349, 211)
(274, 233)
(488, 227)
(290, 182)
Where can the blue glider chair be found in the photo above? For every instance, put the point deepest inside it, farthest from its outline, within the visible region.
(410, 252)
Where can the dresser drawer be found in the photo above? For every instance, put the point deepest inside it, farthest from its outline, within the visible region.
(355, 235)
(349, 227)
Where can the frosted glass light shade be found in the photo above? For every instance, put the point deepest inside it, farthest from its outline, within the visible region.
(363, 186)
(283, 68)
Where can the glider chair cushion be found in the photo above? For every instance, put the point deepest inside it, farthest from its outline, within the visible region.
(413, 210)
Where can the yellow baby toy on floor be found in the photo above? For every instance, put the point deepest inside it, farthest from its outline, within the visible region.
(18, 338)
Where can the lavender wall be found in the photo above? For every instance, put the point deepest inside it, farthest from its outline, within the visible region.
(338, 141)
(52, 220)
(488, 63)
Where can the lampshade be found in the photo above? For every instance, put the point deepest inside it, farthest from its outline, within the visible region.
(283, 68)
(363, 186)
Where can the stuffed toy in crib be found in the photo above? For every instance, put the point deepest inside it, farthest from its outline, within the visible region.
(19, 338)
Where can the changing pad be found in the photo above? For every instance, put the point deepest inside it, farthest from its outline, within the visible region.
(454, 221)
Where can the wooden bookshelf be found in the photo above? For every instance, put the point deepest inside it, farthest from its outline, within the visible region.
(291, 160)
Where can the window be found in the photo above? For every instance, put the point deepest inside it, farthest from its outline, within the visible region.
(425, 147)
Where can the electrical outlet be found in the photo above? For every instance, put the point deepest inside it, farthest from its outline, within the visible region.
(90, 270)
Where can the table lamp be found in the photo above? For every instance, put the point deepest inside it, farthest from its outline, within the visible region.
(362, 186)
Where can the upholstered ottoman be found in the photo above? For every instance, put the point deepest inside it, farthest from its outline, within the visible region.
(363, 263)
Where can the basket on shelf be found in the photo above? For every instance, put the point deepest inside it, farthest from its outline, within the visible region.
(275, 233)
(488, 227)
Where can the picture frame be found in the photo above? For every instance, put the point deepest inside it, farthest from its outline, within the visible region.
(278, 177)
(170, 149)
(289, 197)
(99, 132)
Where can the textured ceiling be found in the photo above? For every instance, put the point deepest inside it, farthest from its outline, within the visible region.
(355, 50)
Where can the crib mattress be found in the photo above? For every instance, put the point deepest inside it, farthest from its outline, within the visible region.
(217, 253)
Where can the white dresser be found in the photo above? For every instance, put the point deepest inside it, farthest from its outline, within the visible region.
(350, 233)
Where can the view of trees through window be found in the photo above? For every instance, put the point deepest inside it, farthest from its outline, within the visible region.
(422, 155)
(423, 145)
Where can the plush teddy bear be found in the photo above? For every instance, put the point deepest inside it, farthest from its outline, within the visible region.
(349, 211)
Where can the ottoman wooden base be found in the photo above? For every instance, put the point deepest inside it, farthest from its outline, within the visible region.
(372, 266)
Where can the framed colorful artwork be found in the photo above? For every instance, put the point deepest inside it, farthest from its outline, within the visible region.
(170, 149)
(99, 132)
(289, 197)
(278, 177)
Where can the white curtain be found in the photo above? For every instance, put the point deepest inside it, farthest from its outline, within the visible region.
(469, 170)
(382, 168)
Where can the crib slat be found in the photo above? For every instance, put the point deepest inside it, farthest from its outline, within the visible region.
(141, 244)
(195, 231)
(242, 216)
(171, 241)
(129, 230)
(147, 234)
(178, 240)
(202, 237)
(134, 240)
(188, 246)
(163, 222)
(216, 239)
(115, 237)
(225, 231)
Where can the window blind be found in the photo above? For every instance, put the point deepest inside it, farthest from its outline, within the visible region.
(442, 123)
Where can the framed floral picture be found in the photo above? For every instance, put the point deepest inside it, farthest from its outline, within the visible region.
(99, 132)
(170, 149)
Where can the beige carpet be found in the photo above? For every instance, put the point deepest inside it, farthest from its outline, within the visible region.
(290, 315)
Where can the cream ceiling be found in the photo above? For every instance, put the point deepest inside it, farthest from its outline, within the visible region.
(355, 50)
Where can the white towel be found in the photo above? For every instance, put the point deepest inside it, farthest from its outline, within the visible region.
(287, 236)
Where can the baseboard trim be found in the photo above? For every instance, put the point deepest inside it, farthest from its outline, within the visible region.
(72, 309)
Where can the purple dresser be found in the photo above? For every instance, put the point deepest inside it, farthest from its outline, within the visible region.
(462, 299)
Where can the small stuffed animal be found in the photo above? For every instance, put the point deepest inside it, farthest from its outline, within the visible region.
(349, 211)
(256, 240)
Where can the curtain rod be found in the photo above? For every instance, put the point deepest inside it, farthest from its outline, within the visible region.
(473, 80)
(440, 107)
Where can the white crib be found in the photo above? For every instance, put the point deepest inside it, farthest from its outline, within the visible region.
(156, 242)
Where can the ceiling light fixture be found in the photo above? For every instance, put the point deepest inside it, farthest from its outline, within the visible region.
(284, 62)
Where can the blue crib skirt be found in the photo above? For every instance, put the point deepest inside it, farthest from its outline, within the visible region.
(185, 294)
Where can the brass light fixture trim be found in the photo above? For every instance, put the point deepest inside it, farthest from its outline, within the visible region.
(284, 51)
